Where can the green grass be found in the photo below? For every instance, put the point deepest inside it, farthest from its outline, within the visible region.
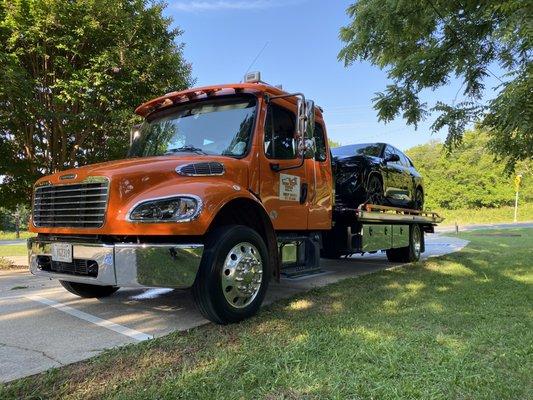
(13, 236)
(487, 215)
(13, 250)
(456, 327)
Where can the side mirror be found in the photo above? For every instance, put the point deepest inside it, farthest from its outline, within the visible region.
(306, 126)
(392, 158)
(135, 131)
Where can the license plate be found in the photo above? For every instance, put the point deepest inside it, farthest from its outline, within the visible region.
(62, 252)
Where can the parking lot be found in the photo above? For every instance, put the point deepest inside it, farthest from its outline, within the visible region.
(44, 326)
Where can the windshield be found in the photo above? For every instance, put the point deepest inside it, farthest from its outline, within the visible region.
(218, 127)
(366, 149)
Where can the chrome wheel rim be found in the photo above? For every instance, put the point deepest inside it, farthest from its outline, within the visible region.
(242, 274)
(417, 242)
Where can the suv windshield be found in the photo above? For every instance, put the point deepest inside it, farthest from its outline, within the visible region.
(366, 149)
(219, 127)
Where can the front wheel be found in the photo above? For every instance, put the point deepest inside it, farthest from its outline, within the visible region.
(409, 253)
(233, 276)
(88, 291)
(374, 191)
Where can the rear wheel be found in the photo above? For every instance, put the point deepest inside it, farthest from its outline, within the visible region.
(233, 276)
(419, 199)
(409, 253)
(374, 191)
(88, 291)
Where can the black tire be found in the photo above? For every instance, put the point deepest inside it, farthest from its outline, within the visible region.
(412, 252)
(89, 291)
(374, 191)
(207, 289)
(419, 199)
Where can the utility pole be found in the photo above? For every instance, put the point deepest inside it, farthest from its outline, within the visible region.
(517, 180)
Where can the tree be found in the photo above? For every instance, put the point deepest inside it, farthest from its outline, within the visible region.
(423, 44)
(71, 74)
(332, 143)
(469, 177)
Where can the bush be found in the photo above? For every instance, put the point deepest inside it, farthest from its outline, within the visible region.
(469, 177)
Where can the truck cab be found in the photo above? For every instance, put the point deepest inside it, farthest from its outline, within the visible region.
(213, 177)
(225, 188)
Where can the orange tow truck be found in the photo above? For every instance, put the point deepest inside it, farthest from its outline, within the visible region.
(225, 188)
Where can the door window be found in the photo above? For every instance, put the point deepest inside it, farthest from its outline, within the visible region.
(403, 159)
(389, 151)
(280, 127)
(320, 143)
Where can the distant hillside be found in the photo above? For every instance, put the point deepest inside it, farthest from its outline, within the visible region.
(469, 177)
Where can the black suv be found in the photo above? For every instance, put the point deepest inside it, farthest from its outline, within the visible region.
(376, 173)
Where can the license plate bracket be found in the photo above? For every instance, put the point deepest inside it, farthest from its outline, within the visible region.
(62, 252)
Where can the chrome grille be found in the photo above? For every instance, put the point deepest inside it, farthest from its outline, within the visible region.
(80, 205)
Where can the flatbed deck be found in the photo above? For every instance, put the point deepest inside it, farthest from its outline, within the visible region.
(370, 213)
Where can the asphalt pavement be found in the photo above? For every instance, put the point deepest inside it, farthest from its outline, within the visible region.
(43, 326)
(12, 242)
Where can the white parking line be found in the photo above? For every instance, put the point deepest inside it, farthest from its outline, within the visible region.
(132, 333)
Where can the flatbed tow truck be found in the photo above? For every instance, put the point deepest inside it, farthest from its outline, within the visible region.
(225, 188)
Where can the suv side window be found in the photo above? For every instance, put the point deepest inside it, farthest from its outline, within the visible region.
(279, 133)
(388, 152)
(320, 143)
(403, 159)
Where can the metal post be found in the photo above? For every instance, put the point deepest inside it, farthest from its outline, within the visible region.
(517, 180)
(456, 228)
(515, 206)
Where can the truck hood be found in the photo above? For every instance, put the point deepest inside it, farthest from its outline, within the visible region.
(153, 169)
(132, 181)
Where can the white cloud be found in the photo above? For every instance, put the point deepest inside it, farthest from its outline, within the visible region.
(216, 5)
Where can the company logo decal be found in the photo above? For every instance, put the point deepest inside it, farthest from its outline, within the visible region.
(289, 187)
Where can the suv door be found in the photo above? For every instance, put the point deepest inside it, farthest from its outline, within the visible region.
(393, 178)
(407, 177)
(283, 193)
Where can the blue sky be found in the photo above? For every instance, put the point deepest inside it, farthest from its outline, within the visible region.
(223, 37)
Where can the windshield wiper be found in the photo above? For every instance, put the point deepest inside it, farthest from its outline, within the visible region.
(186, 148)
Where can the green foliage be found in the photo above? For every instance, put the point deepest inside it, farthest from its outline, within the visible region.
(469, 177)
(72, 73)
(423, 44)
(8, 219)
(332, 143)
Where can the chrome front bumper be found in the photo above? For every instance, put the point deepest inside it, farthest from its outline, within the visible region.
(127, 265)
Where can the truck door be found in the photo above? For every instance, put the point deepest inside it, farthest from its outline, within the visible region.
(284, 193)
(320, 182)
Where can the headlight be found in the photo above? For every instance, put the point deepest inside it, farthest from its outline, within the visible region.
(172, 209)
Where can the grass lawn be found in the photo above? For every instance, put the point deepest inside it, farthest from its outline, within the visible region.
(487, 215)
(14, 250)
(456, 327)
(12, 235)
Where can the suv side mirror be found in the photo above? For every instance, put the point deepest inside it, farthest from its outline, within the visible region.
(392, 158)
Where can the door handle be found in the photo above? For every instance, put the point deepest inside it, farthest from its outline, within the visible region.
(303, 193)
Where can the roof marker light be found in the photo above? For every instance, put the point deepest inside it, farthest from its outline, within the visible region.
(252, 77)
